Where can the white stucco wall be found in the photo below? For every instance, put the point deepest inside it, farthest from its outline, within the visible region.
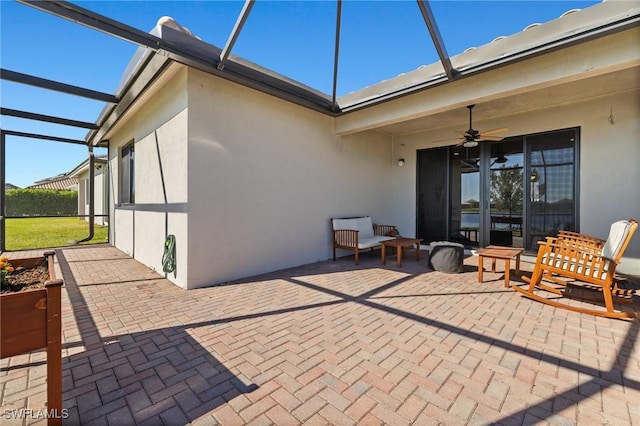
(159, 129)
(609, 155)
(83, 203)
(610, 173)
(265, 177)
(99, 195)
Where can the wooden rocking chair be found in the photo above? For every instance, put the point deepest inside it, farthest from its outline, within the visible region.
(586, 264)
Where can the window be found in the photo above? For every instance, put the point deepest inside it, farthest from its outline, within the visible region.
(127, 174)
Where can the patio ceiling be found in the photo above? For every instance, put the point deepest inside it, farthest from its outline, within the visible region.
(616, 82)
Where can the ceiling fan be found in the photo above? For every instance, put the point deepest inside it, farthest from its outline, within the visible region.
(471, 137)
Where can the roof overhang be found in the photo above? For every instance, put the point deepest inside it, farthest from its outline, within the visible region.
(569, 30)
(595, 68)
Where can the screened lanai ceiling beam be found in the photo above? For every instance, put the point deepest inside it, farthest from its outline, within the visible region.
(242, 18)
(86, 17)
(430, 20)
(234, 70)
(263, 81)
(44, 137)
(47, 118)
(69, 89)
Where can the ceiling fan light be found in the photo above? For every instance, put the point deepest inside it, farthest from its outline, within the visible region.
(470, 144)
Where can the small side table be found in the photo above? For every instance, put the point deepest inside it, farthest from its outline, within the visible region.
(499, 252)
(400, 243)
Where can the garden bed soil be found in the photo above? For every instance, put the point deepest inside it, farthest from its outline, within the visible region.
(25, 279)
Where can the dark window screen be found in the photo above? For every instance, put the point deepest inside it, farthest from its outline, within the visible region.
(432, 194)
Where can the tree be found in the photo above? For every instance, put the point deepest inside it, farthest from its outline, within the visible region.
(507, 189)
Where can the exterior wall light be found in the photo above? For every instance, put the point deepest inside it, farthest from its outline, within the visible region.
(534, 175)
(400, 162)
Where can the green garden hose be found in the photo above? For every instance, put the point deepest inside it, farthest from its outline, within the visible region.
(169, 256)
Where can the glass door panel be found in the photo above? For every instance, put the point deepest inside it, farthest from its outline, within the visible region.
(464, 220)
(506, 193)
(552, 185)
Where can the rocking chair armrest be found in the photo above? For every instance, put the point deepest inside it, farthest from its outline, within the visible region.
(345, 237)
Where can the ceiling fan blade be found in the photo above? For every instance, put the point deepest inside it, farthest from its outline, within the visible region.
(463, 132)
(492, 131)
(452, 141)
(482, 138)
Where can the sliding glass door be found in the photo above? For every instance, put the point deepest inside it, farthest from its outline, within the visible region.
(509, 193)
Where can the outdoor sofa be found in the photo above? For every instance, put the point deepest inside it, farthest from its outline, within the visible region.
(359, 233)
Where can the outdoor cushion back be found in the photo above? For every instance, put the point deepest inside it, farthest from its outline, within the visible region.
(617, 236)
(362, 224)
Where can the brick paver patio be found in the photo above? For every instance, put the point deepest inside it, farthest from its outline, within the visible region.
(327, 343)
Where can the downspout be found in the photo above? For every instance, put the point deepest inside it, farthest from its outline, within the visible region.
(91, 196)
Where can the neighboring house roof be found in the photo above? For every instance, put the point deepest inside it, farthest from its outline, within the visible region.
(60, 182)
(10, 186)
(98, 160)
(68, 180)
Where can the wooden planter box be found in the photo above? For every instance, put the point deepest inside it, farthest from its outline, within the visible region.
(31, 320)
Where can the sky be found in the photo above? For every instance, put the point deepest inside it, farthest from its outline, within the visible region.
(379, 40)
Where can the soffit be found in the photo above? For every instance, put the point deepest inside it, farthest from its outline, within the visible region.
(571, 92)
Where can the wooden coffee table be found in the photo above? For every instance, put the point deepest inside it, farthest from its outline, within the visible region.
(499, 252)
(400, 243)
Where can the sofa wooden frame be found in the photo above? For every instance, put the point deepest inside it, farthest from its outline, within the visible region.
(350, 239)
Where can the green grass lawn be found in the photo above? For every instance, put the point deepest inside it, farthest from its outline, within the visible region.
(49, 232)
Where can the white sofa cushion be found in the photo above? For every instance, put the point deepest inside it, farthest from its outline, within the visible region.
(362, 224)
(365, 243)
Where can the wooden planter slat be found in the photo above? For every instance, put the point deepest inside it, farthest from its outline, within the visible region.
(24, 322)
(32, 320)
